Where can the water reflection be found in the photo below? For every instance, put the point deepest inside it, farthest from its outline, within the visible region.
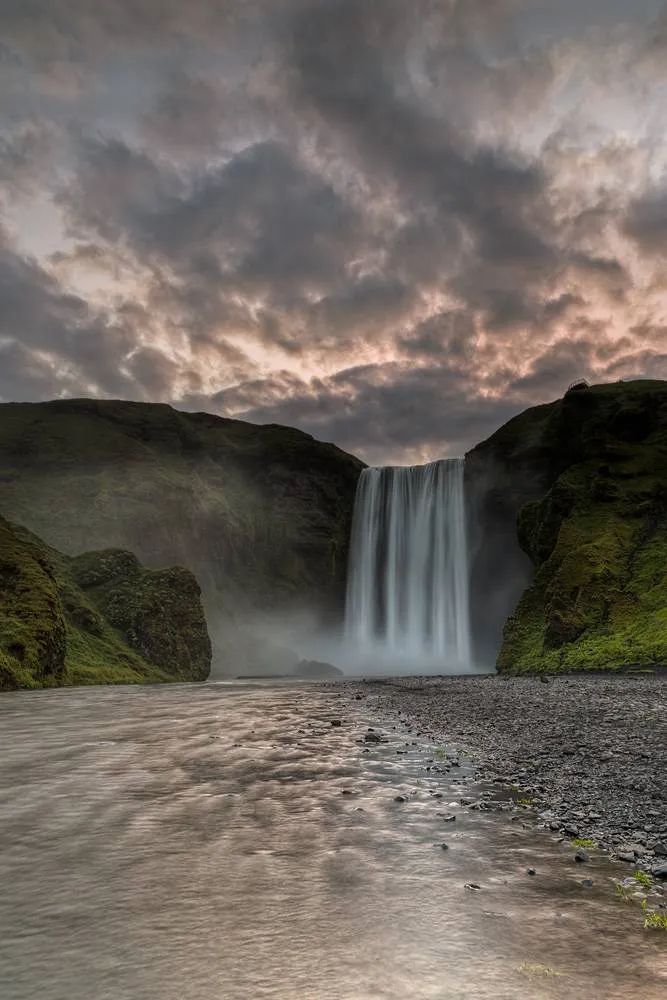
(212, 843)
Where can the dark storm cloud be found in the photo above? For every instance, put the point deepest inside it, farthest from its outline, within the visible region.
(391, 224)
(646, 221)
(407, 412)
(64, 344)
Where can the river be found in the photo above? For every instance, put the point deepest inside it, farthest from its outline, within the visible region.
(227, 842)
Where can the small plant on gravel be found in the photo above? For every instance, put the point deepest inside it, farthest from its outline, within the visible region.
(535, 969)
(623, 893)
(643, 878)
(584, 842)
(524, 802)
(652, 920)
(655, 921)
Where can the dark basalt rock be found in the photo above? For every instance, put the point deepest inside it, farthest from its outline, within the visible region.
(317, 670)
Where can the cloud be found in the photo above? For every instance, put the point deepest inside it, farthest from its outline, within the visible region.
(393, 225)
(646, 221)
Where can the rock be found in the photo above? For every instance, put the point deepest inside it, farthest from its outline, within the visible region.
(472, 886)
(531, 871)
(372, 737)
(587, 883)
(445, 847)
(660, 872)
(581, 857)
(625, 856)
(315, 669)
(661, 849)
(336, 722)
(399, 798)
(450, 818)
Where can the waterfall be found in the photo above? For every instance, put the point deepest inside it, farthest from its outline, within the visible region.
(407, 591)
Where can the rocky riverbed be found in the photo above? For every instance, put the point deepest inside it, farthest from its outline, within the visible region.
(587, 754)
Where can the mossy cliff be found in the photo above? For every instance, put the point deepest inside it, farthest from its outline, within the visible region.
(261, 515)
(98, 618)
(583, 484)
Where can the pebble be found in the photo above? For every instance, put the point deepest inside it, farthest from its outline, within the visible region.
(531, 871)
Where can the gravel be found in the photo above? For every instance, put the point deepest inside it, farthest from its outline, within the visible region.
(590, 752)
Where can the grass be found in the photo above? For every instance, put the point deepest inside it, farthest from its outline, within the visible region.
(535, 969)
(643, 878)
(655, 921)
(623, 893)
(585, 842)
(524, 802)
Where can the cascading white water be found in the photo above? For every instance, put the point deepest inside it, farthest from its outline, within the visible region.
(407, 591)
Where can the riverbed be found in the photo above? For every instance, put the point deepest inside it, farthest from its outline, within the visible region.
(237, 841)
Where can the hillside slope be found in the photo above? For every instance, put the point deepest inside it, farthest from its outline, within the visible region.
(96, 618)
(583, 482)
(261, 515)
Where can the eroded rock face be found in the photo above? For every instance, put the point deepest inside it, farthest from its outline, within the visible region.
(582, 482)
(96, 618)
(261, 515)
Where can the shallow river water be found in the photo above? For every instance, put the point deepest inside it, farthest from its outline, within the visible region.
(222, 842)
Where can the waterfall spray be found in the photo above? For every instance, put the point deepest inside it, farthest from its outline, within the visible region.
(407, 592)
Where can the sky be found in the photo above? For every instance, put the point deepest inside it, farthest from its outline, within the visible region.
(391, 224)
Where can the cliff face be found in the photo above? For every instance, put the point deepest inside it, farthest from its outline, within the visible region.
(96, 618)
(581, 484)
(261, 515)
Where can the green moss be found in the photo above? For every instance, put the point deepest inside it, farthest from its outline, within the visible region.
(585, 842)
(598, 541)
(32, 624)
(96, 619)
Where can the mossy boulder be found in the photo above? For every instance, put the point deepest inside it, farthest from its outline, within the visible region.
(96, 618)
(261, 515)
(585, 482)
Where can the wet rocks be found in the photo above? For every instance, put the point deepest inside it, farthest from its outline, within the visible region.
(372, 737)
(585, 749)
(581, 857)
